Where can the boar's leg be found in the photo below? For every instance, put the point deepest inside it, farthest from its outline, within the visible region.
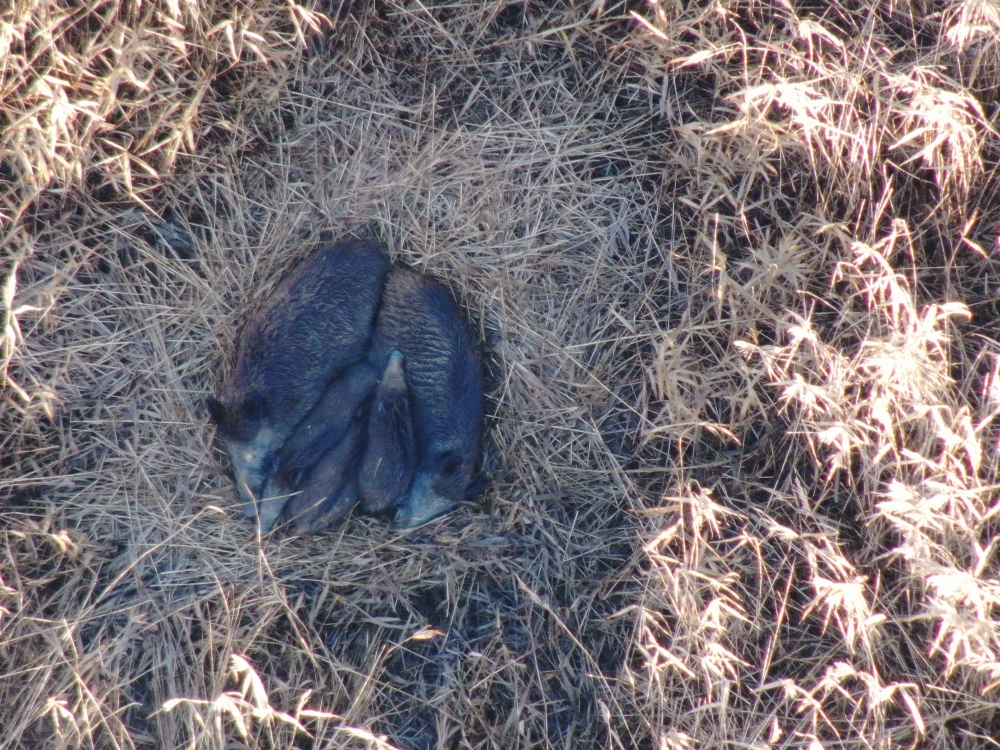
(321, 499)
(343, 403)
(391, 453)
(334, 509)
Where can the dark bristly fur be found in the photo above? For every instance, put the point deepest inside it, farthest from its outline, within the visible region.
(390, 455)
(313, 326)
(343, 401)
(419, 318)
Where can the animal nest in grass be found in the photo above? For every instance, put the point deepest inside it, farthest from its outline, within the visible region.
(739, 431)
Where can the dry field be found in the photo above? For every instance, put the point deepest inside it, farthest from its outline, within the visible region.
(735, 267)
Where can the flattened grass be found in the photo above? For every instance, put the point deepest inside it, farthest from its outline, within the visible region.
(733, 267)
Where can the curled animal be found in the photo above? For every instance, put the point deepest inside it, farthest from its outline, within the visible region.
(343, 402)
(314, 325)
(390, 454)
(419, 318)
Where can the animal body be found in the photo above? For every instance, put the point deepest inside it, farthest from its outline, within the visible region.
(390, 452)
(344, 401)
(419, 319)
(315, 324)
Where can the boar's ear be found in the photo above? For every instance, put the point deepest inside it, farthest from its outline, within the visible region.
(216, 411)
(254, 408)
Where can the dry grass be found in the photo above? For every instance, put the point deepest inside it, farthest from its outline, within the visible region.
(736, 269)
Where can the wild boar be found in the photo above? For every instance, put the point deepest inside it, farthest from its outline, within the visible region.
(315, 324)
(419, 318)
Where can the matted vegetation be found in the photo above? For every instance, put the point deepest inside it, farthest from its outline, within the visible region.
(735, 268)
